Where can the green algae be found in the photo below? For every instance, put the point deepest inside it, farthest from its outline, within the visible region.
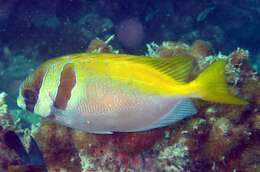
(167, 134)
(152, 50)
(3, 105)
(175, 155)
(85, 161)
(196, 125)
(177, 150)
(21, 115)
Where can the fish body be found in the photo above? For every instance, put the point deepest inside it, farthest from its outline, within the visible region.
(106, 93)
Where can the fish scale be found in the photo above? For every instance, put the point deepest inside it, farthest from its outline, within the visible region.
(106, 93)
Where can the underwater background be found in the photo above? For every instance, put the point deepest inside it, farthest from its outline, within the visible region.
(219, 138)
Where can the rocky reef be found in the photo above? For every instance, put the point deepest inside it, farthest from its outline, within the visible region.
(218, 138)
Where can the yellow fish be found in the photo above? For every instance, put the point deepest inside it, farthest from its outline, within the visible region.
(106, 93)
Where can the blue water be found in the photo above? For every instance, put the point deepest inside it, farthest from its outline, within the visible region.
(45, 29)
(32, 31)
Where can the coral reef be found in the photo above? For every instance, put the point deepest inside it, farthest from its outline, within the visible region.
(198, 49)
(7, 156)
(219, 138)
(100, 46)
(57, 147)
(5, 119)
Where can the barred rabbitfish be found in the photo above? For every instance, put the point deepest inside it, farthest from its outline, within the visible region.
(106, 93)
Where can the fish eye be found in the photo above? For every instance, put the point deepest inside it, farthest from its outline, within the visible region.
(28, 94)
(29, 98)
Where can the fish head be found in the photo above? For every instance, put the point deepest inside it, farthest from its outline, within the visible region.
(29, 97)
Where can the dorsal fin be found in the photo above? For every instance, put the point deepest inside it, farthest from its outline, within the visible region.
(177, 67)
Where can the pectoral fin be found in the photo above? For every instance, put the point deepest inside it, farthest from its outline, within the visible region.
(67, 118)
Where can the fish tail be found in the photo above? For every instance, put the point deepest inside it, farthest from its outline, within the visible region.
(211, 85)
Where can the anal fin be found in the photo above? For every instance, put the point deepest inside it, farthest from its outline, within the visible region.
(183, 109)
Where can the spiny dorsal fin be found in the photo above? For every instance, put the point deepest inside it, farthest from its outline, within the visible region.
(177, 67)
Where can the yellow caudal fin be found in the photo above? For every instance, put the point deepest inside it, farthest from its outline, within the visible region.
(212, 86)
